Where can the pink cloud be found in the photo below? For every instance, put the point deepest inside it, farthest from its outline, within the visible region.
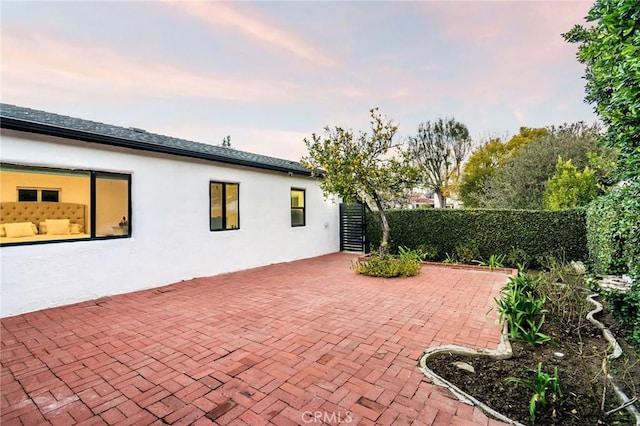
(219, 14)
(62, 66)
(514, 49)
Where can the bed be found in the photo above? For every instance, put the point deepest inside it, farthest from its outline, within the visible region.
(65, 221)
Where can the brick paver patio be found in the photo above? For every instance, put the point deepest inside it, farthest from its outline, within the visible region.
(307, 342)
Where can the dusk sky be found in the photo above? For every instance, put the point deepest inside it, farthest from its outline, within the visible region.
(271, 73)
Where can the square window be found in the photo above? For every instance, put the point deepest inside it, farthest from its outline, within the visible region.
(50, 195)
(27, 195)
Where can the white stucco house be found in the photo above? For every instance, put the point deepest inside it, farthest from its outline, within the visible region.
(90, 210)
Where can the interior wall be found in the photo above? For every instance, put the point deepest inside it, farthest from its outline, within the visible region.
(111, 204)
(73, 189)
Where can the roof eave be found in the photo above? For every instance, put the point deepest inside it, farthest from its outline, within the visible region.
(49, 130)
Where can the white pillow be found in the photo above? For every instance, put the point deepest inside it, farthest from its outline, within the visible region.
(75, 228)
(34, 228)
(57, 226)
(19, 229)
(43, 228)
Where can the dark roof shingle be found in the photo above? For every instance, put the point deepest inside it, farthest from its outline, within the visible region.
(30, 120)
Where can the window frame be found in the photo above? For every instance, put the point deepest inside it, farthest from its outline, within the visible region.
(52, 191)
(303, 208)
(92, 175)
(39, 193)
(95, 175)
(223, 207)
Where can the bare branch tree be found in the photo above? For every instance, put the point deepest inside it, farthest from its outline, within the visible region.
(438, 150)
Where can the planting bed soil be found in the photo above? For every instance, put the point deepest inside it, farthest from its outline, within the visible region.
(580, 369)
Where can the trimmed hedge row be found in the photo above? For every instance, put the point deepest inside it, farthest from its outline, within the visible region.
(613, 238)
(497, 232)
(613, 231)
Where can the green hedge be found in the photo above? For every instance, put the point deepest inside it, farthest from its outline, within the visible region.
(498, 232)
(613, 238)
(613, 232)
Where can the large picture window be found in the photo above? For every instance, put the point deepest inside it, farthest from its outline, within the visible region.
(46, 204)
(224, 206)
(297, 207)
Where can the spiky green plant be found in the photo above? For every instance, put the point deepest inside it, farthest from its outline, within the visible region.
(494, 261)
(541, 384)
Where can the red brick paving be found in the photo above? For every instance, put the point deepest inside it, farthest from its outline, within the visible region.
(306, 342)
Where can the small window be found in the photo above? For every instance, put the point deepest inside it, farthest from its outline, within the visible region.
(27, 195)
(50, 195)
(39, 194)
(224, 206)
(297, 207)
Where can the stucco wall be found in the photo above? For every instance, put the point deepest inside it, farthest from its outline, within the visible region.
(170, 239)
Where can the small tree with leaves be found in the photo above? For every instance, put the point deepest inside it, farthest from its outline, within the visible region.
(369, 167)
(438, 150)
(569, 188)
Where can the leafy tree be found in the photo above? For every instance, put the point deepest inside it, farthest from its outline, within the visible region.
(604, 166)
(487, 159)
(610, 49)
(438, 150)
(482, 164)
(524, 136)
(368, 167)
(569, 188)
(521, 181)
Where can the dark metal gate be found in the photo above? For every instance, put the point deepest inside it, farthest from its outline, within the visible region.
(352, 227)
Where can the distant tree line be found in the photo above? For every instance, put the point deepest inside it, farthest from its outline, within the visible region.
(553, 168)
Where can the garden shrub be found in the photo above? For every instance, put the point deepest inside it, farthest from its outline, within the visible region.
(520, 235)
(517, 257)
(467, 252)
(522, 309)
(613, 231)
(562, 285)
(429, 252)
(626, 309)
(406, 264)
(613, 239)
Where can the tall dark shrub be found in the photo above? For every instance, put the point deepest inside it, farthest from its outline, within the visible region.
(613, 235)
(613, 231)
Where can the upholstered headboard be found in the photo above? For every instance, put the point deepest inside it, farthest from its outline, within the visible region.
(36, 212)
